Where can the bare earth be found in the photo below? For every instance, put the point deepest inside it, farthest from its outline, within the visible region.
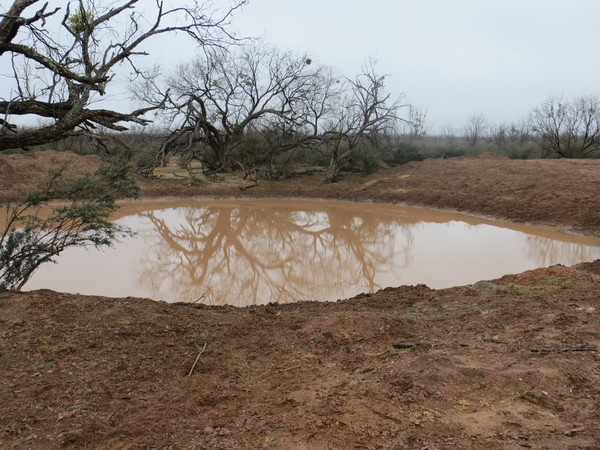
(511, 363)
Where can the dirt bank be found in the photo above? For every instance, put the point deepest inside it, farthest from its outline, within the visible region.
(562, 193)
(509, 363)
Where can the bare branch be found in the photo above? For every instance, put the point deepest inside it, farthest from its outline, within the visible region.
(12, 21)
(100, 35)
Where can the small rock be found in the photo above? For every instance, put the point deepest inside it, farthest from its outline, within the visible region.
(209, 430)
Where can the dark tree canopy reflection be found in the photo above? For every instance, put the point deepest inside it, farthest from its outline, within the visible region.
(243, 255)
(546, 252)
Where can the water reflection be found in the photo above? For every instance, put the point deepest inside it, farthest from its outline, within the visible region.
(545, 251)
(246, 254)
(253, 252)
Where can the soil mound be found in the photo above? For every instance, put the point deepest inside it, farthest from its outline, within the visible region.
(593, 267)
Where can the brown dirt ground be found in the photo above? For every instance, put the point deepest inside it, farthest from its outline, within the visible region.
(511, 363)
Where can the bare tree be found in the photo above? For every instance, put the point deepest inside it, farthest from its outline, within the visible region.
(568, 129)
(417, 123)
(475, 129)
(517, 133)
(226, 98)
(363, 115)
(62, 58)
(223, 96)
(449, 134)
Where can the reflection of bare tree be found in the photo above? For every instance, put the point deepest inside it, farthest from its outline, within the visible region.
(546, 252)
(244, 255)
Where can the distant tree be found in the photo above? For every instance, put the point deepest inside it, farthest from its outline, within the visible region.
(449, 134)
(475, 129)
(511, 133)
(417, 123)
(60, 60)
(568, 129)
(32, 237)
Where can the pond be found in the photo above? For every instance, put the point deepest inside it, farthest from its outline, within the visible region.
(246, 252)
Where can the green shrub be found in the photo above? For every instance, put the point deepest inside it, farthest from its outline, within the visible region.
(30, 239)
(402, 152)
(365, 159)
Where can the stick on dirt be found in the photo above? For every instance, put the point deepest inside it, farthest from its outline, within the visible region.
(288, 369)
(197, 358)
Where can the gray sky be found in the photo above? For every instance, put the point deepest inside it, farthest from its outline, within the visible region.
(456, 58)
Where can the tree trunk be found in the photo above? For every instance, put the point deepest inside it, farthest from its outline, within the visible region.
(334, 169)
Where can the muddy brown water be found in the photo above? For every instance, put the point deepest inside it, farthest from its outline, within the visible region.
(245, 252)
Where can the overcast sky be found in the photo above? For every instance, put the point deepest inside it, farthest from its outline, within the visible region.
(456, 58)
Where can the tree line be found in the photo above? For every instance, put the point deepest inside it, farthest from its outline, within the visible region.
(559, 128)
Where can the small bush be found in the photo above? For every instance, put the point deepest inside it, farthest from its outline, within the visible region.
(365, 159)
(30, 240)
(403, 152)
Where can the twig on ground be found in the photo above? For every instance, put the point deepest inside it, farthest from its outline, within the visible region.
(243, 188)
(197, 358)
(288, 369)
(386, 416)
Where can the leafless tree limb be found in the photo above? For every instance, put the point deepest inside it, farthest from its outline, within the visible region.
(78, 57)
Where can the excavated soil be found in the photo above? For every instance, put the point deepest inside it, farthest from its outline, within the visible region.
(503, 364)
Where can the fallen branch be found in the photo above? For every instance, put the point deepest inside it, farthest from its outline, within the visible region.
(197, 358)
(288, 369)
(386, 416)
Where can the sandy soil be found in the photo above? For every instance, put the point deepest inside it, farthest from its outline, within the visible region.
(509, 363)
